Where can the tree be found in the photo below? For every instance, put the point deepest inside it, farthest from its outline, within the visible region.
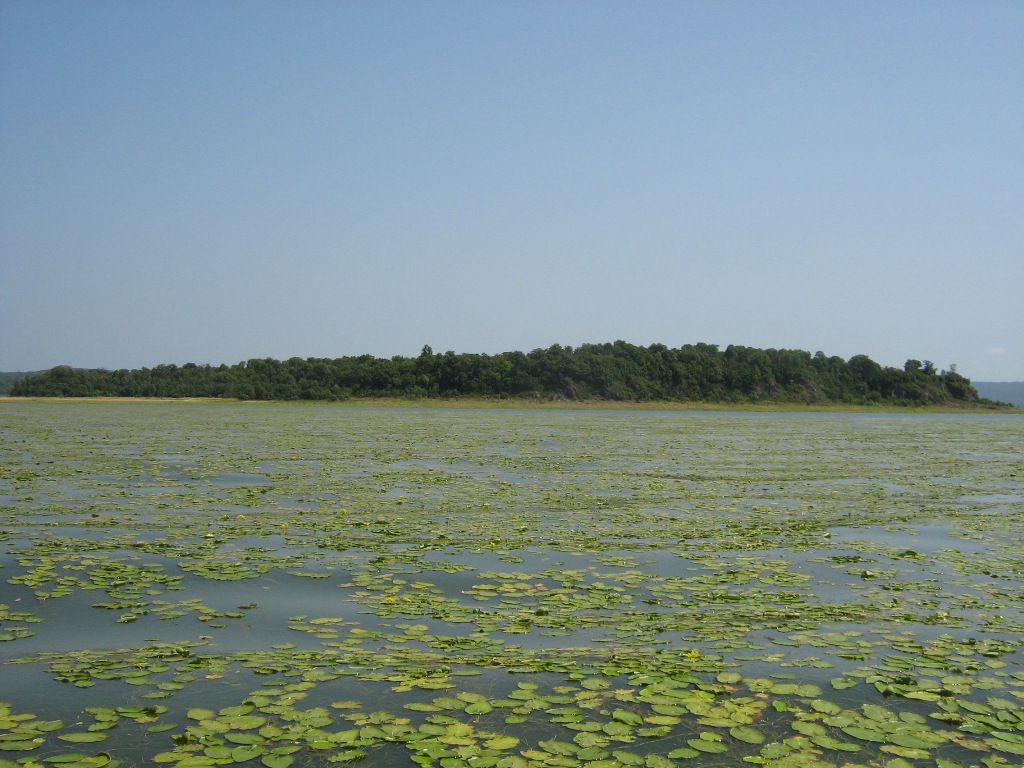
(617, 371)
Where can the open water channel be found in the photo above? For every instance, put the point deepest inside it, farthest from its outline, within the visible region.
(200, 584)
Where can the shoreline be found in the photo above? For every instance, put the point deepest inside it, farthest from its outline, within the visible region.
(543, 404)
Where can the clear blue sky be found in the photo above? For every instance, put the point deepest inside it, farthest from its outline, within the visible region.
(214, 181)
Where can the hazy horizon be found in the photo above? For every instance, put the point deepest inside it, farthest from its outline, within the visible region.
(211, 183)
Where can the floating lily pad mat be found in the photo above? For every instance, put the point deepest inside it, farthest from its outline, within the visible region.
(196, 584)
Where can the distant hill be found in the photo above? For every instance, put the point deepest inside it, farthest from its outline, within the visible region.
(1004, 391)
(617, 371)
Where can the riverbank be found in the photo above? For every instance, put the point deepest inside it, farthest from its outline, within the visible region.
(551, 403)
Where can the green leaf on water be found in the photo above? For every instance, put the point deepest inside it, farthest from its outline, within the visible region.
(627, 717)
(907, 752)
(683, 753)
(241, 737)
(702, 745)
(20, 745)
(830, 743)
(501, 742)
(246, 752)
(243, 722)
(747, 734)
(83, 738)
(277, 761)
(68, 758)
(419, 706)
(865, 734)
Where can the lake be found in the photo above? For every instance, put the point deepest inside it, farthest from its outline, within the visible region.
(215, 583)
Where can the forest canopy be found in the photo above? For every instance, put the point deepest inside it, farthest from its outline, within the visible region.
(616, 371)
(8, 379)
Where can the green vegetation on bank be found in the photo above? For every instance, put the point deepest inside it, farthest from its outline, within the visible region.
(1011, 392)
(614, 372)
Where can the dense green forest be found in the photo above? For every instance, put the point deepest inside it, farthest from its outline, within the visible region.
(617, 372)
(7, 379)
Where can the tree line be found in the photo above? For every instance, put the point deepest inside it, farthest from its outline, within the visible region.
(8, 378)
(613, 371)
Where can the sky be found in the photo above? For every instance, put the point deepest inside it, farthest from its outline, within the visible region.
(185, 181)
